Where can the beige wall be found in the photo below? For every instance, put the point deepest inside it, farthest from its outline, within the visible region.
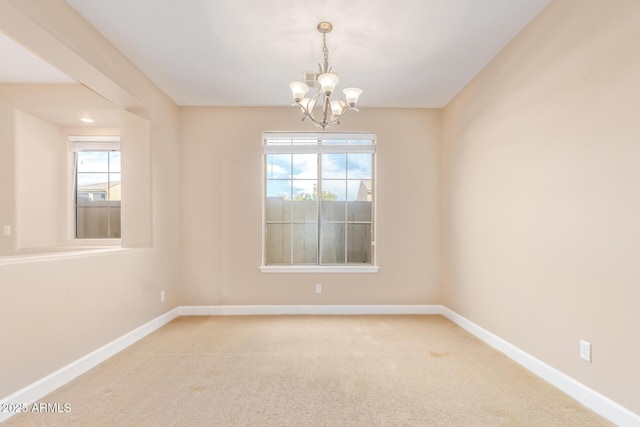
(542, 208)
(7, 171)
(39, 178)
(221, 167)
(55, 311)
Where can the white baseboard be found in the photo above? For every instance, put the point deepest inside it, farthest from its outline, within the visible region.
(253, 310)
(593, 400)
(36, 391)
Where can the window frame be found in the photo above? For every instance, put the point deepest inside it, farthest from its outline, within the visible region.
(96, 143)
(316, 143)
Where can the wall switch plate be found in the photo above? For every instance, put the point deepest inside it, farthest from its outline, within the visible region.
(585, 350)
(6, 230)
(318, 288)
(161, 296)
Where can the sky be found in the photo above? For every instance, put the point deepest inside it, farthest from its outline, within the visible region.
(93, 167)
(292, 174)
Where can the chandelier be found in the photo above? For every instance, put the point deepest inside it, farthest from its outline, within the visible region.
(329, 111)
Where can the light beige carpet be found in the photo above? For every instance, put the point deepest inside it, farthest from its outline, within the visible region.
(311, 371)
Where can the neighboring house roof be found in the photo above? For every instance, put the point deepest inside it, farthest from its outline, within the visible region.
(367, 184)
(101, 186)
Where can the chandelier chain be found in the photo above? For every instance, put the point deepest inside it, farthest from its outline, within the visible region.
(325, 50)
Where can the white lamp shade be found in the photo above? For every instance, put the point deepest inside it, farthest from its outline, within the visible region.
(298, 90)
(308, 103)
(336, 107)
(328, 82)
(352, 94)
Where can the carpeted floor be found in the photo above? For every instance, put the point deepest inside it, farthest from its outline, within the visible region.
(310, 371)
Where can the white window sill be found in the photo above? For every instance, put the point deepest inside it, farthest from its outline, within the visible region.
(107, 243)
(319, 268)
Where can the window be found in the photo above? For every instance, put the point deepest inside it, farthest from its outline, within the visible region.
(97, 187)
(319, 201)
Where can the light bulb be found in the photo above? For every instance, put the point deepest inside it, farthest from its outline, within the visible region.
(352, 94)
(336, 107)
(298, 90)
(328, 82)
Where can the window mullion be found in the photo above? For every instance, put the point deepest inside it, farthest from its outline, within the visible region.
(75, 192)
(346, 202)
(291, 237)
(373, 209)
(108, 194)
(346, 220)
(319, 209)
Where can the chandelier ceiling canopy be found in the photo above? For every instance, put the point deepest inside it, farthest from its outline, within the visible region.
(320, 106)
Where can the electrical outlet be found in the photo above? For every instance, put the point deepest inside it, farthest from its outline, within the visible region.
(318, 288)
(161, 296)
(6, 230)
(585, 350)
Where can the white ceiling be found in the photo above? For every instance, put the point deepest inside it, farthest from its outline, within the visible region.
(403, 53)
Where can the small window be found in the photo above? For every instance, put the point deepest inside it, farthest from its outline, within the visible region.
(319, 200)
(97, 187)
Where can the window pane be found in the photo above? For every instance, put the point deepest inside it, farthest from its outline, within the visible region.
(93, 161)
(278, 244)
(334, 166)
(114, 220)
(98, 194)
(334, 189)
(114, 161)
(359, 243)
(92, 187)
(334, 192)
(305, 166)
(359, 189)
(278, 166)
(333, 211)
(279, 188)
(98, 221)
(277, 209)
(85, 179)
(278, 203)
(305, 211)
(332, 244)
(305, 244)
(359, 211)
(304, 189)
(359, 166)
(115, 187)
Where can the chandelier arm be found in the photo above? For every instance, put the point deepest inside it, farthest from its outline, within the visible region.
(345, 111)
(317, 122)
(336, 119)
(324, 123)
(305, 111)
(327, 117)
(325, 109)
